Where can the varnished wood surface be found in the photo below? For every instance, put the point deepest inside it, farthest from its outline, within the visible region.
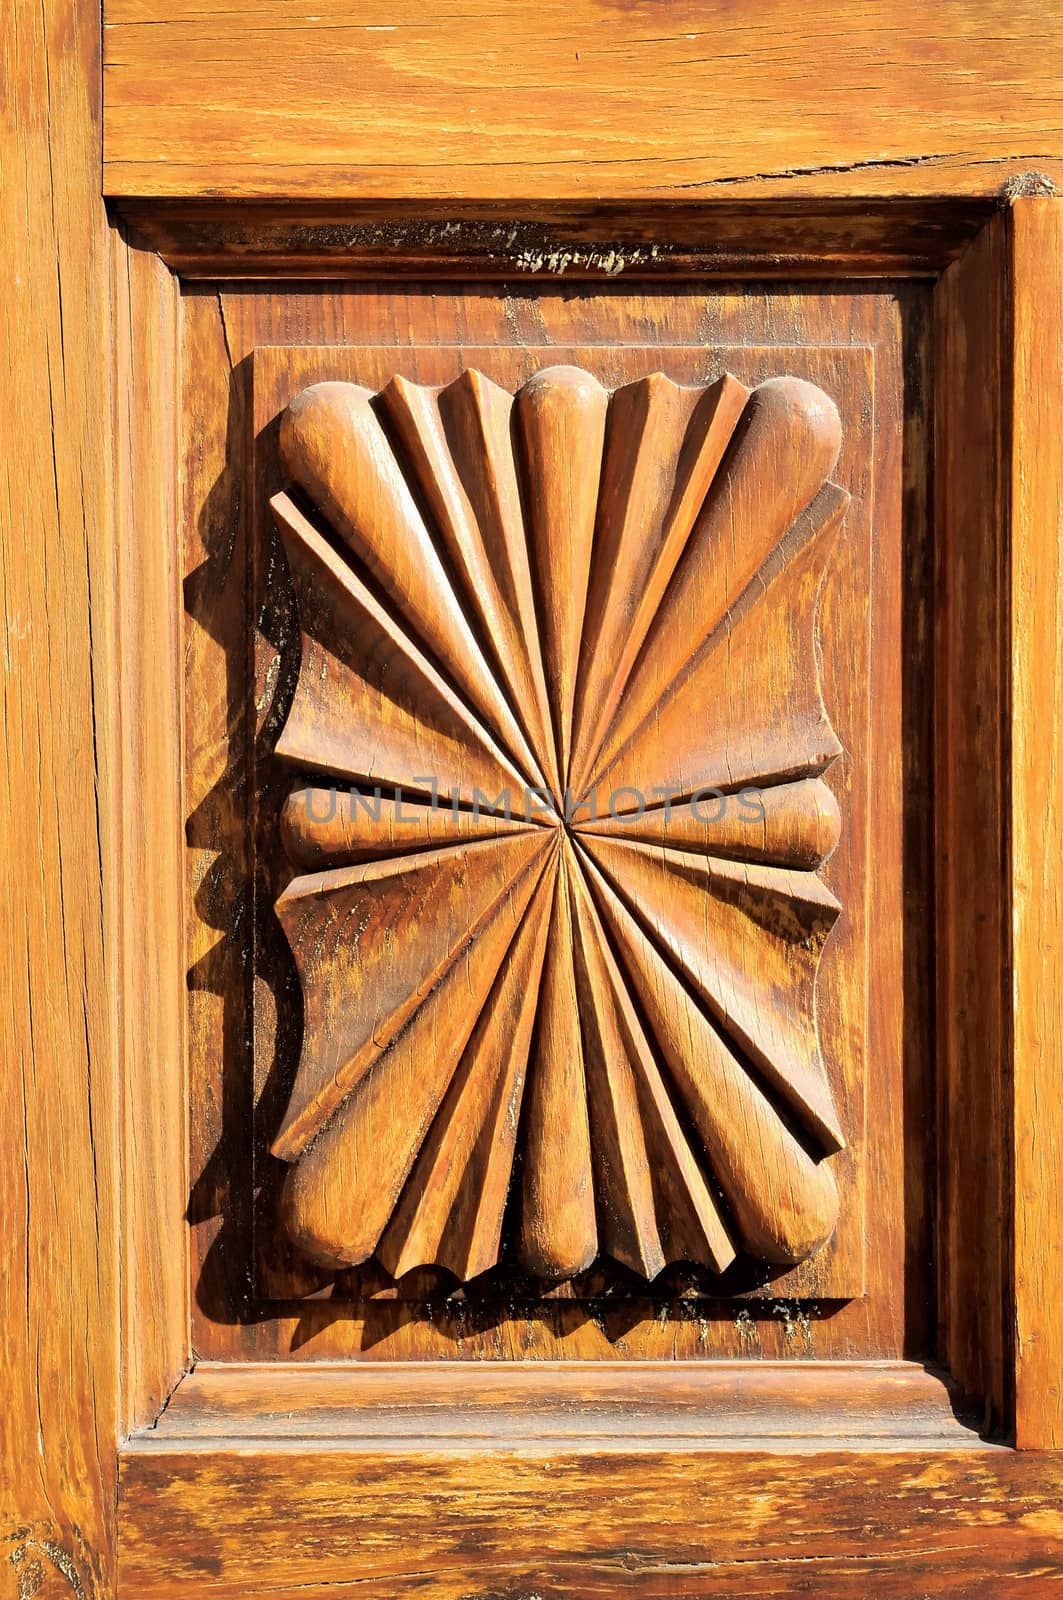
(997, 783)
(882, 1527)
(473, 1525)
(155, 1101)
(509, 100)
(281, 372)
(711, 1405)
(894, 235)
(280, 1519)
(971, 814)
(60, 970)
(1036, 474)
(385, 1330)
(697, 522)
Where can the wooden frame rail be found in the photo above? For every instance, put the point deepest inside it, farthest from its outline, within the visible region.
(96, 1300)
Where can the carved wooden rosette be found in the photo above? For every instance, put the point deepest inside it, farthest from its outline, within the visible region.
(587, 1027)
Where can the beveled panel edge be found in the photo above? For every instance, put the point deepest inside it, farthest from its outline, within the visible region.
(814, 238)
(578, 1406)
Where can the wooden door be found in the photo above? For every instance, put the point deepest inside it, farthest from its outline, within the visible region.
(531, 551)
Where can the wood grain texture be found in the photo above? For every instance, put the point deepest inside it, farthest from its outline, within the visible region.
(452, 1208)
(558, 1225)
(322, 827)
(458, 442)
(58, 813)
(588, 1405)
(747, 516)
(1036, 572)
(699, 679)
(509, 100)
(998, 783)
(795, 824)
(373, 944)
(972, 817)
(218, 901)
(155, 1111)
(747, 940)
(683, 517)
(657, 1204)
(784, 1202)
(369, 705)
(560, 419)
(366, 1315)
(344, 1188)
(664, 447)
(590, 1494)
(895, 235)
(335, 448)
(562, 1522)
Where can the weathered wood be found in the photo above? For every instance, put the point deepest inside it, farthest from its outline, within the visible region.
(452, 1208)
(472, 159)
(663, 451)
(373, 944)
(59, 973)
(217, 901)
(796, 825)
(881, 1530)
(411, 1317)
(972, 816)
(482, 1521)
(1036, 772)
(151, 695)
(457, 440)
(586, 1404)
(656, 1203)
(697, 524)
(893, 235)
(509, 99)
(998, 499)
(754, 504)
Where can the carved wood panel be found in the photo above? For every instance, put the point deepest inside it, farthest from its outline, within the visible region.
(551, 789)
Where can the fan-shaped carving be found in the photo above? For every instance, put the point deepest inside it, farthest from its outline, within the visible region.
(587, 1026)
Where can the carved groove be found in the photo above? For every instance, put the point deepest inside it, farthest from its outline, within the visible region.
(576, 1021)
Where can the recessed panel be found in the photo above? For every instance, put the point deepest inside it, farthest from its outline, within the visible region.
(557, 663)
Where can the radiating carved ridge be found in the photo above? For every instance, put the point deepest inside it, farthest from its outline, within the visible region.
(580, 1028)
